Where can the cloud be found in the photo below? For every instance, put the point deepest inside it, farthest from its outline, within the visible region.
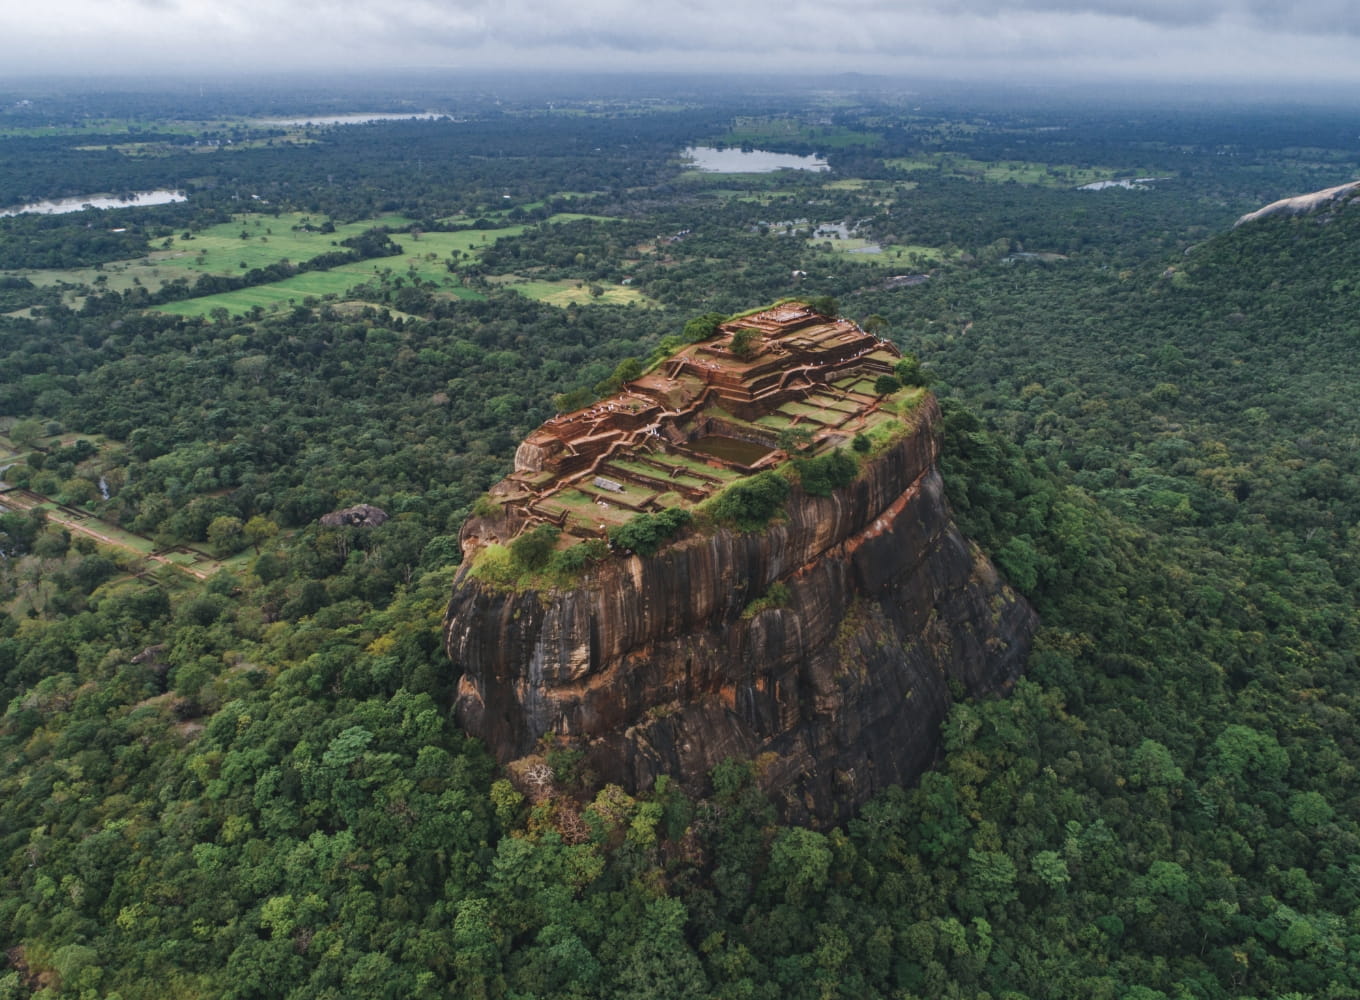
(974, 39)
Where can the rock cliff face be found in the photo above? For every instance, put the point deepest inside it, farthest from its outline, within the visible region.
(656, 665)
(1304, 203)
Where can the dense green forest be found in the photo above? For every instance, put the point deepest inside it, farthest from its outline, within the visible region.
(235, 774)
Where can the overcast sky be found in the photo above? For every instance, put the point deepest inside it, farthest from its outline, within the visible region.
(1168, 40)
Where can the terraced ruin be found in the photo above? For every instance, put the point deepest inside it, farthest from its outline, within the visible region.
(827, 642)
(714, 413)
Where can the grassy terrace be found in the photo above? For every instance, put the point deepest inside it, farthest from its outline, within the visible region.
(582, 507)
(812, 410)
(844, 407)
(776, 421)
(610, 471)
(694, 465)
(683, 476)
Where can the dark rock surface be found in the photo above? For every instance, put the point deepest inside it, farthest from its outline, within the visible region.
(362, 516)
(652, 668)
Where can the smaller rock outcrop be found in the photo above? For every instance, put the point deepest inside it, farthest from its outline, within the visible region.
(1303, 203)
(363, 515)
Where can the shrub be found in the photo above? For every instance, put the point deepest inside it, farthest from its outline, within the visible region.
(702, 327)
(751, 503)
(569, 562)
(823, 475)
(909, 372)
(744, 342)
(825, 305)
(777, 596)
(646, 533)
(532, 549)
(484, 506)
(494, 565)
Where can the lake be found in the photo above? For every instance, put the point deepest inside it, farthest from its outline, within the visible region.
(357, 118)
(60, 206)
(749, 161)
(1132, 184)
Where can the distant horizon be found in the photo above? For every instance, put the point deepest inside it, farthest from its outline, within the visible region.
(381, 86)
(1080, 42)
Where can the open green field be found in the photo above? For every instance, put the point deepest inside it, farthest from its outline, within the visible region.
(216, 250)
(762, 197)
(258, 240)
(149, 148)
(292, 291)
(752, 131)
(567, 291)
(1003, 171)
(287, 292)
(118, 276)
(117, 126)
(891, 255)
(426, 257)
(270, 239)
(845, 244)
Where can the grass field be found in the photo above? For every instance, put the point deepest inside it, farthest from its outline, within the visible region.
(565, 292)
(163, 148)
(1003, 171)
(280, 293)
(216, 250)
(890, 255)
(268, 239)
(752, 131)
(425, 257)
(118, 126)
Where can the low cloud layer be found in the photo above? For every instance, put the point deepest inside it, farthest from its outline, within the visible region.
(1169, 40)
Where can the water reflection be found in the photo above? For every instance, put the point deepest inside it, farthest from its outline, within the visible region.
(59, 206)
(749, 161)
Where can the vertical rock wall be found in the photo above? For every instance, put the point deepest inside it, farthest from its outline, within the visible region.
(653, 668)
